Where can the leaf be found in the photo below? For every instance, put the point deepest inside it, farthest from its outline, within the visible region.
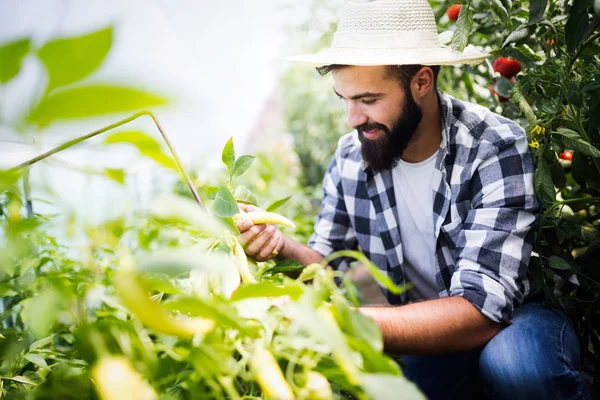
(379, 276)
(11, 58)
(8, 179)
(183, 210)
(228, 155)
(503, 87)
(117, 175)
(42, 342)
(283, 267)
(37, 360)
(69, 60)
(268, 289)
(89, 101)
(244, 195)
(40, 312)
(520, 33)
(19, 378)
(211, 192)
(383, 386)
(518, 98)
(139, 139)
(537, 8)
(542, 181)
(224, 205)
(222, 312)
(500, 11)
(572, 140)
(176, 262)
(460, 38)
(577, 25)
(278, 203)
(559, 263)
(242, 164)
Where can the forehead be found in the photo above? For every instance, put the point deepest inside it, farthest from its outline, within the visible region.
(361, 78)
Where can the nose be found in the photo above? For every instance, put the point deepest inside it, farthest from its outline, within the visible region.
(355, 115)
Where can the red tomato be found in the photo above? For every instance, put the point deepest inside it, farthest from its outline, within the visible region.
(453, 12)
(567, 155)
(507, 67)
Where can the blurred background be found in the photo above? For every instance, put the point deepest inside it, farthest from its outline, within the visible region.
(210, 70)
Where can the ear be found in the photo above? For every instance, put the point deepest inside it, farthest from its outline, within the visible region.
(423, 82)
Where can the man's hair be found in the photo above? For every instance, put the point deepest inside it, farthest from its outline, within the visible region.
(404, 73)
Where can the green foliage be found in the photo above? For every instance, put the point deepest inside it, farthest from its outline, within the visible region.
(11, 58)
(63, 317)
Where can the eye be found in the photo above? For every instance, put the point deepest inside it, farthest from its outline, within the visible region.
(368, 102)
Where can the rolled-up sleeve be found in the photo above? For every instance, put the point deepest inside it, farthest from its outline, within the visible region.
(495, 244)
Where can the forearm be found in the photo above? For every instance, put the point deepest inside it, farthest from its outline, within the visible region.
(299, 252)
(435, 326)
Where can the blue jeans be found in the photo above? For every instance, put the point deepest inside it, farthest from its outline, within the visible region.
(537, 357)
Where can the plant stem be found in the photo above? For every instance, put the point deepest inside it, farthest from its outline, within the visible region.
(582, 132)
(80, 139)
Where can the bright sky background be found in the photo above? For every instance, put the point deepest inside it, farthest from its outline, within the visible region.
(218, 60)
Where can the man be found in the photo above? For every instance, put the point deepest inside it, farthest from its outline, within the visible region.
(439, 193)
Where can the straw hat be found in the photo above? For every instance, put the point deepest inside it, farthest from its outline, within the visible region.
(388, 32)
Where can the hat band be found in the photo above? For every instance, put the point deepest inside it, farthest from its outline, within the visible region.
(386, 40)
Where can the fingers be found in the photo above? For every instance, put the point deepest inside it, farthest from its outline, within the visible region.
(248, 207)
(261, 241)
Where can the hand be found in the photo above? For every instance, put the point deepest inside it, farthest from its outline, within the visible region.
(261, 242)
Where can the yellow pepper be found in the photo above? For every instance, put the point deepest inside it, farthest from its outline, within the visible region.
(116, 379)
(264, 217)
(269, 375)
(133, 292)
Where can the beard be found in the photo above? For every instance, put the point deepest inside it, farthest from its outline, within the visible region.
(385, 151)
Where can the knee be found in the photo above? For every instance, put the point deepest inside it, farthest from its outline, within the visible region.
(530, 365)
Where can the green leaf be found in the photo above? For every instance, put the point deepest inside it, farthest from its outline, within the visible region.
(176, 262)
(544, 187)
(117, 175)
(537, 8)
(8, 179)
(379, 276)
(11, 58)
(146, 145)
(500, 11)
(520, 33)
(211, 192)
(71, 59)
(241, 165)
(244, 195)
(40, 312)
(89, 101)
(518, 98)
(141, 140)
(284, 267)
(572, 140)
(576, 28)
(268, 289)
(225, 205)
(183, 210)
(37, 360)
(460, 38)
(384, 386)
(20, 379)
(223, 313)
(228, 155)
(556, 262)
(503, 87)
(278, 203)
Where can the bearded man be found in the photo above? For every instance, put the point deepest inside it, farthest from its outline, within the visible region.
(439, 193)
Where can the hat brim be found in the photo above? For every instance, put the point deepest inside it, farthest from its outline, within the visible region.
(373, 57)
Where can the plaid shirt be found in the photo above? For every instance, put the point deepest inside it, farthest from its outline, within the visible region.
(483, 210)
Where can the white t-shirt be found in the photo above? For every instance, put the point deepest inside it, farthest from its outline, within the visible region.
(413, 187)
